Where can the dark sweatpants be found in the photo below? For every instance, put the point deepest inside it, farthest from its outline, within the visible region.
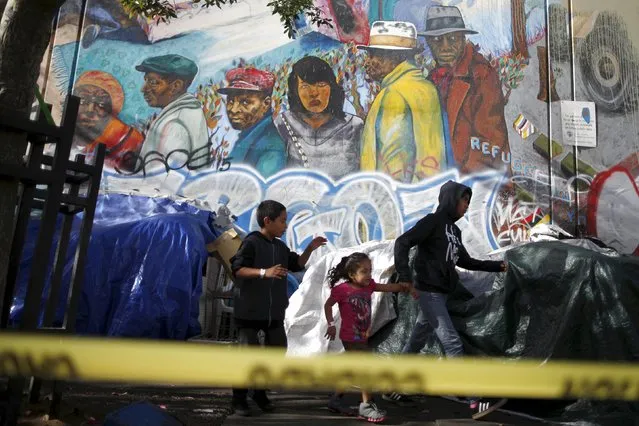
(247, 336)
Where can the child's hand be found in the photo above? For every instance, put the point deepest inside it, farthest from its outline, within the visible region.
(504, 266)
(413, 292)
(406, 287)
(317, 243)
(277, 271)
(330, 333)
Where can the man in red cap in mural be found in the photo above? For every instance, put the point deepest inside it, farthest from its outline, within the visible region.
(248, 106)
(101, 100)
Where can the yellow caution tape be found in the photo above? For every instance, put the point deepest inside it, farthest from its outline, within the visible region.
(151, 362)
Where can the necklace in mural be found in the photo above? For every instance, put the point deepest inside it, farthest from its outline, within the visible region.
(296, 142)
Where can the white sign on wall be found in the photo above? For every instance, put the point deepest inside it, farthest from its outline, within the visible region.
(579, 123)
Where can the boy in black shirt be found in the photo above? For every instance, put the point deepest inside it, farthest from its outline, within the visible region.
(439, 250)
(260, 268)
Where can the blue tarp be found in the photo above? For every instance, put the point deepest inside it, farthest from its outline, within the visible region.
(143, 271)
(292, 285)
(141, 414)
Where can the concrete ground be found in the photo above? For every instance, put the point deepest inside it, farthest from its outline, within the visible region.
(85, 405)
(310, 410)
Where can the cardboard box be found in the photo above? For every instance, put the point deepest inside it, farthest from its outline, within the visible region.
(225, 247)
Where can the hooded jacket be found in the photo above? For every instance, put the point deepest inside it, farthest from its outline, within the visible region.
(260, 299)
(439, 246)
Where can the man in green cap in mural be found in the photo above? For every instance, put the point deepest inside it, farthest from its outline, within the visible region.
(180, 126)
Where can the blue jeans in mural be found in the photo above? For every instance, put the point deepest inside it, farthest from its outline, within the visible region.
(433, 314)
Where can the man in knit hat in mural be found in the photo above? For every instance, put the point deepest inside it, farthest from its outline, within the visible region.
(404, 133)
(101, 100)
(471, 92)
(179, 133)
(248, 106)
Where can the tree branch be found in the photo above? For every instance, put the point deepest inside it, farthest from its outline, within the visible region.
(288, 10)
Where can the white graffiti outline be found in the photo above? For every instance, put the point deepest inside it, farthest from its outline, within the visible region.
(318, 205)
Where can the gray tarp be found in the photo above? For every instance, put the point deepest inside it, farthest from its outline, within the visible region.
(557, 301)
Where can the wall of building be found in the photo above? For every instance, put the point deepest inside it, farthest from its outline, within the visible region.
(375, 167)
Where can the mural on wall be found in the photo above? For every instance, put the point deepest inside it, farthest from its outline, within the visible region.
(404, 130)
(355, 127)
(602, 180)
(471, 91)
(101, 100)
(248, 108)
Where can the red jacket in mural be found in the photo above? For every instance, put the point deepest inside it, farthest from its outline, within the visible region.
(475, 107)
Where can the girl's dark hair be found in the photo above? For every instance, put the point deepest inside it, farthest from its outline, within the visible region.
(347, 266)
(313, 70)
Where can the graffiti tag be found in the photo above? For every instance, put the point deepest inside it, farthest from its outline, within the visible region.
(175, 160)
(359, 208)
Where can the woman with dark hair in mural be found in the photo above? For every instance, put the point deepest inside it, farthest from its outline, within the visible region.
(319, 134)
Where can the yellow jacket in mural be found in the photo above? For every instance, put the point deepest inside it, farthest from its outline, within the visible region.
(404, 130)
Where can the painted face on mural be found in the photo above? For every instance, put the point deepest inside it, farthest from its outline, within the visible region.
(95, 110)
(379, 64)
(314, 97)
(447, 48)
(245, 108)
(160, 90)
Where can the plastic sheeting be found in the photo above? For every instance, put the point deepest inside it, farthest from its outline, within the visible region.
(292, 284)
(141, 414)
(143, 271)
(569, 299)
(559, 300)
(305, 321)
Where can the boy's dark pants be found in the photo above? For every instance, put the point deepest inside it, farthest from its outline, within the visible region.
(247, 336)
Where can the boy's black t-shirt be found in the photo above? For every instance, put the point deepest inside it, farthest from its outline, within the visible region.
(439, 246)
(262, 299)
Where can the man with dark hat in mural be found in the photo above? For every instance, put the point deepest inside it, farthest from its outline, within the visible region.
(471, 92)
(248, 106)
(404, 130)
(179, 133)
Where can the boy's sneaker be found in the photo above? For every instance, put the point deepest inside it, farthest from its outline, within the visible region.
(397, 398)
(485, 406)
(369, 412)
(337, 405)
(241, 408)
(263, 402)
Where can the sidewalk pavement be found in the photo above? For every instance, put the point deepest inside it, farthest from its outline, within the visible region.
(309, 409)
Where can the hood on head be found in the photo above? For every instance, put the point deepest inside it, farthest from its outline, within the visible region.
(449, 195)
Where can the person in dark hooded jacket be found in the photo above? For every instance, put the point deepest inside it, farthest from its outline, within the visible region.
(260, 268)
(439, 250)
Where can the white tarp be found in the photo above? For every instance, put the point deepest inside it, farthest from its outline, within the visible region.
(305, 320)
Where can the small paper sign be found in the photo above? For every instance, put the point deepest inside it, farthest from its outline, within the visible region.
(579, 123)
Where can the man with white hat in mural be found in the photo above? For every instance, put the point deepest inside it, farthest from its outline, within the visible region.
(471, 93)
(404, 130)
